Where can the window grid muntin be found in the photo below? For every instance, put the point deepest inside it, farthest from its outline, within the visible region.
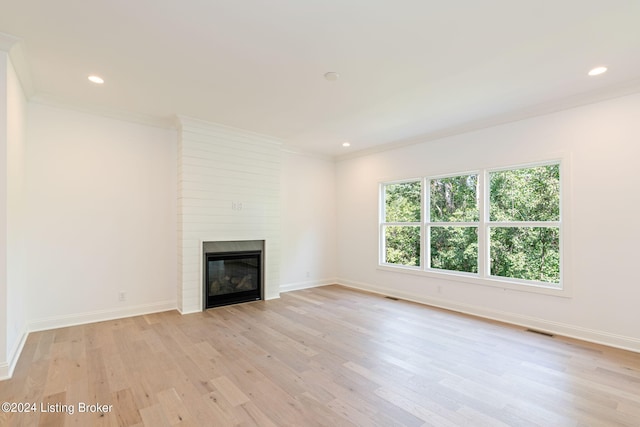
(383, 224)
(428, 223)
(483, 226)
(428, 241)
(488, 224)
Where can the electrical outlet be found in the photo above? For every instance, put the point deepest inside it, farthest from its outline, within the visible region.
(122, 296)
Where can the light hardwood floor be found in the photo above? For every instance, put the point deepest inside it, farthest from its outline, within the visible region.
(327, 356)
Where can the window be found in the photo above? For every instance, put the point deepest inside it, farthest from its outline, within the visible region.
(495, 226)
(524, 223)
(401, 225)
(453, 223)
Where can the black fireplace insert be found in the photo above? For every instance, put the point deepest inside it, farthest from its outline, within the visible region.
(232, 277)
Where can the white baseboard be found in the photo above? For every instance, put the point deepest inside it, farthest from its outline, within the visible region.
(306, 285)
(99, 316)
(6, 368)
(578, 332)
(5, 371)
(557, 328)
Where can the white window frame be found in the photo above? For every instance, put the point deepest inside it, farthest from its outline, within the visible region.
(483, 277)
(428, 224)
(383, 224)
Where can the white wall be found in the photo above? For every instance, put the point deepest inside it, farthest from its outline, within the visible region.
(4, 364)
(13, 324)
(308, 221)
(16, 221)
(602, 142)
(102, 215)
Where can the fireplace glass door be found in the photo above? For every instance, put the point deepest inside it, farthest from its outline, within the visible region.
(232, 277)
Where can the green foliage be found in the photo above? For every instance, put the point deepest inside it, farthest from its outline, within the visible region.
(403, 204)
(454, 199)
(531, 194)
(402, 245)
(516, 195)
(454, 248)
(402, 201)
(530, 253)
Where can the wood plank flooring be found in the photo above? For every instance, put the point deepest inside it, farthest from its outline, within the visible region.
(327, 356)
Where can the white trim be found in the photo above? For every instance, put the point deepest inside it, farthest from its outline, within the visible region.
(306, 285)
(298, 151)
(474, 279)
(483, 276)
(7, 368)
(185, 312)
(558, 328)
(55, 322)
(382, 223)
(7, 41)
(484, 261)
(104, 112)
(203, 127)
(14, 47)
(5, 371)
(619, 90)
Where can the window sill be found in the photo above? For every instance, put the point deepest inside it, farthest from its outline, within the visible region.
(494, 282)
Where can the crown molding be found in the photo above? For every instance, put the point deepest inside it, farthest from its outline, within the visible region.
(23, 70)
(112, 113)
(15, 48)
(7, 41)
(290, 149)
(217, 128)
(629, 87)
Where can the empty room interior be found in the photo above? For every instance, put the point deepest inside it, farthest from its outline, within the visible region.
(298, 213)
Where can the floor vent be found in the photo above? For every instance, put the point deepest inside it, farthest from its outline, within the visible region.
(546, 334)
(391, 298)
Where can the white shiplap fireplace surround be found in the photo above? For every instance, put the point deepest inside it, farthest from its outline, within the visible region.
(228, 191)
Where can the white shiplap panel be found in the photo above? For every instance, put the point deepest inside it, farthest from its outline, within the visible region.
(265, 218)
(251, 173)
(213, 181)
(260, 188)
(221, 168)
(248, 171)
(196, 201)
(214, 132)
(236, 231)
(190, 252)
(208, 151)
(214, 210)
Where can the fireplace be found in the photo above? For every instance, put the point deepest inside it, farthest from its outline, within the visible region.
(232, 277)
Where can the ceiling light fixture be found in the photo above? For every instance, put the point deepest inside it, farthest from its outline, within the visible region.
(346, 144)
(96, 79)
(597, 71)
(331, 76)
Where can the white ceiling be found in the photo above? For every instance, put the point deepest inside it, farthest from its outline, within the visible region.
(408, 68)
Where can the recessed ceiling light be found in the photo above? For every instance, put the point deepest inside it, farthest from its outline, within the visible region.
(332, 76)
(597, 71)
(346, 144)
(96, 79)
